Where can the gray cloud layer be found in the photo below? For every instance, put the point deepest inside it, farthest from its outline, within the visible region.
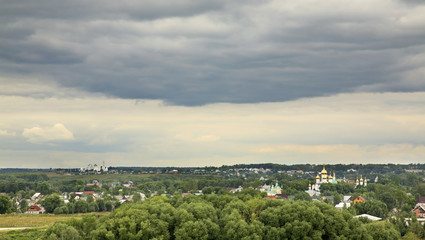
(200, 52)
(344, 128)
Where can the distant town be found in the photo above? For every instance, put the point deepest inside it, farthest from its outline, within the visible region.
(376, 192)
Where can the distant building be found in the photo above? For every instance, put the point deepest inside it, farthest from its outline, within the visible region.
(234, 190)
(95, 168)
(347, 198)
(359, 199)
(282, 196)
(414, 170)
(362, 182)
(272, 190)
(370, 217)
(128, 184)
(35, 209)
(419, 210)
(345, 203)
(94, 183)
(329, 198)
(36, 197)
(322, 177)
(342, 205)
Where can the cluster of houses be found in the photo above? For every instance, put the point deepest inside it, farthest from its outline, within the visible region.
(34, 207)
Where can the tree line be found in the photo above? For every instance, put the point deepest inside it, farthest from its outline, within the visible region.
(212, 216)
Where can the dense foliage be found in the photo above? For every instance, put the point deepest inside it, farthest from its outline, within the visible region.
(223, 217)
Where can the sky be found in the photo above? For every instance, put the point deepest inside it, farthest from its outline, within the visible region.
(211, 83)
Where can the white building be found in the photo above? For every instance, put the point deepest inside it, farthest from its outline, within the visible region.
(36, 197)
(95, 168)
(272, 190)
(322, 177)
(342, 205)
(361, 182)
(370, 217)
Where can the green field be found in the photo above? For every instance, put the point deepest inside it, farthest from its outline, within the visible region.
(23, 234)
(30, 220)
(37, 220)
(37, 224)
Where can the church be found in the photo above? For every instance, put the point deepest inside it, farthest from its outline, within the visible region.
(322, 177)
(361, 182)
(272, 190)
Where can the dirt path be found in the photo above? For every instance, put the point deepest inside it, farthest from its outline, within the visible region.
(13, 228)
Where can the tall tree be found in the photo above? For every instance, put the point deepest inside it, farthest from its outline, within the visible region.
(382, 231)
(5, 204)
(51, 202)
(23, 205)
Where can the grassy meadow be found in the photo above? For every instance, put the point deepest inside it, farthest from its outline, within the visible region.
(37, 220)
(36, 223)
(23, 234)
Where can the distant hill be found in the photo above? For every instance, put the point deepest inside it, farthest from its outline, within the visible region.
(24, 170)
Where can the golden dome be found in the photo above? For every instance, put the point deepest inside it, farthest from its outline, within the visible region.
(317, 177)
(324, 171)
(330, 176)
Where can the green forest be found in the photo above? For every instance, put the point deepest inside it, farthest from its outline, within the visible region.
(244, 216)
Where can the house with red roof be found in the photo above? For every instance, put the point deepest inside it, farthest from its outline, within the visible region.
(359, 199)
(419, 210)
(35, 209)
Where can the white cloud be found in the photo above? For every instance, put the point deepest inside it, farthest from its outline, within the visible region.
(48, 134)
(6, 133)
(346, 153)
(345, 128)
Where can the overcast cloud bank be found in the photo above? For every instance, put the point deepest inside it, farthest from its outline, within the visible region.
(193, 83)
(346, 128)
(200, 52)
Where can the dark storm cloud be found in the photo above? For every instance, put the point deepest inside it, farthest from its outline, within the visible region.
(418, 2)
(35, 53)
(99, 9)
(200, 52)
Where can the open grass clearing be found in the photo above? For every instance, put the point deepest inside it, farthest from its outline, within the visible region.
(23, 234)
(36, 220)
